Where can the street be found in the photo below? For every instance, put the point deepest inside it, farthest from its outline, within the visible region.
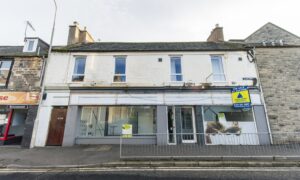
(151, 173)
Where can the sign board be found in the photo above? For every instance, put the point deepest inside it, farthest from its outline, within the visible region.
(127, 130)
(19, 98)
(240, 97)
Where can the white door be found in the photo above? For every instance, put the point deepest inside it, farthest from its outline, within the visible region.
(188, 129)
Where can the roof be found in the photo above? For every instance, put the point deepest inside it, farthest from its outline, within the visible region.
(17, 51)
(150, 46)
(273, 33)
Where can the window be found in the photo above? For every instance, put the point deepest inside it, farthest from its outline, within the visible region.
(5, 66)
(217, 68)
(99, 121)
(176, 69)
(79, 68)
(30, 45)
(120, 69)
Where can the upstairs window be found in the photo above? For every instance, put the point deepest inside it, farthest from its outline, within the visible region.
(120, 69)
(79, 68)
(30, 45)
(176, 74)
(217, 69)
(5, 67)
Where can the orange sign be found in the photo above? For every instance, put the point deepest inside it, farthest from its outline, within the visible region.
(11, 98)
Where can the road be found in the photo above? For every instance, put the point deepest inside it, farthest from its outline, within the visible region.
(151, 173)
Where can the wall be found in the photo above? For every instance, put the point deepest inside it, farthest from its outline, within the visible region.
(279, 73)
(25, 75)
(143, 69)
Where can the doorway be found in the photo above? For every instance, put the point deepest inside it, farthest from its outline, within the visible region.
(184, 118)
(57, 126)
(188, 129)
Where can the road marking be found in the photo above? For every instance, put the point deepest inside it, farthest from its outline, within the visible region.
(143, 169)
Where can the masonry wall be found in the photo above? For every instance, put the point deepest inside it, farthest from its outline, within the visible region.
(279, 70)
(25, 74)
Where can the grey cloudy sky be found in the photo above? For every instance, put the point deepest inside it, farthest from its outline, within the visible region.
(145, 20)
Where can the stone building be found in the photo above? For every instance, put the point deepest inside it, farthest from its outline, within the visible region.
(21, 69)
(278, 63)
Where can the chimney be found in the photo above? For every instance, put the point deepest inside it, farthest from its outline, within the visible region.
(76, 35)
(216, 35)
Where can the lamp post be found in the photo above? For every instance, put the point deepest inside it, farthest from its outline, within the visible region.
(44, 69)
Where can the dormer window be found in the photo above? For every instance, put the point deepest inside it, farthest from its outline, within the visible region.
(30, 45)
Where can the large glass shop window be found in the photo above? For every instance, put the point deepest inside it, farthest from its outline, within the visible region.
(225, 125)
(99, 121)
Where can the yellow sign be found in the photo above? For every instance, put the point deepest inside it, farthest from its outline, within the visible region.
(19, 98)
(240, 97)
(127, 130)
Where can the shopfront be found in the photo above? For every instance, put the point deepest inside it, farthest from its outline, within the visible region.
(14, 110)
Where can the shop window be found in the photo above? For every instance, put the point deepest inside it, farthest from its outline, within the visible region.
(176, 74)
(99, 121)
(3, 122)
(225, 125)
(217, 69)
(79, 69)
(120, 69)
(5, 67)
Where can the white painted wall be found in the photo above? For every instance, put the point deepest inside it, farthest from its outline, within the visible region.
(143, 69)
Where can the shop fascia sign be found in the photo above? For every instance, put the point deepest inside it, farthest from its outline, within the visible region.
(240, 97)
(20, 98)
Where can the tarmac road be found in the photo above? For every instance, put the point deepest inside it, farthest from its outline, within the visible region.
(151, 173)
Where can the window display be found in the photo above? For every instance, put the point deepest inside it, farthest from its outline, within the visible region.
(228, 126)
(100, 121)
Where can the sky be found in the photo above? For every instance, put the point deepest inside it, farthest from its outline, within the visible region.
(144, 20)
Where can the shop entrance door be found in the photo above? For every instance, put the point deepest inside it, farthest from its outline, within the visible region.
(57, 126)
(171, 126)
(188, 125)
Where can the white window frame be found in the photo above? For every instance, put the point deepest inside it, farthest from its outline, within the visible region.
(7, 69)
(176, 74)
(80, 75)
(120, 75)
(222, 65)
(26, 46)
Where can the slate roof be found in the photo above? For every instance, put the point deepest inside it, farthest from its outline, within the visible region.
(150, 46)
(17, 51)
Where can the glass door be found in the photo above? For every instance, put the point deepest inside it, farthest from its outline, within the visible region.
(188, 125)
(171, 125)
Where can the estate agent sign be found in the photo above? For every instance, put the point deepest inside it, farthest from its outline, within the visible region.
(240, 97)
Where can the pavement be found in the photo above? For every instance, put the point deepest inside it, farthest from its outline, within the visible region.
(15, 157)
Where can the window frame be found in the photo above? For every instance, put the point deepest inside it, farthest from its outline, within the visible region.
(120, 75)
(78, 75)
(34, 46)
(176, 74)
(221, 62)
(9, 71)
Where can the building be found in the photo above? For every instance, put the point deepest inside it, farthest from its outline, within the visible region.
(21, 69)
(278, 62)
(170, 92)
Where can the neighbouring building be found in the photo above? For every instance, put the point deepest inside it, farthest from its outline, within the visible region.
(170, 92)
(21, 69)
(278, 62)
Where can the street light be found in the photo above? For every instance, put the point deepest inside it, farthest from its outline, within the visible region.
(53, 28)
(36, 124)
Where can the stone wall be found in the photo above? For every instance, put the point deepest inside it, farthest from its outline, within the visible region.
(279, 70)
(26, 74)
